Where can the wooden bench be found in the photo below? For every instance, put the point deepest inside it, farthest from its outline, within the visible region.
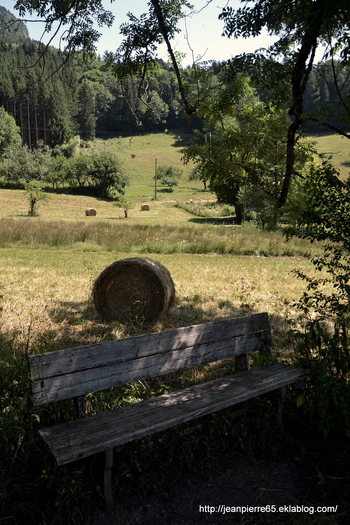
(74, 372)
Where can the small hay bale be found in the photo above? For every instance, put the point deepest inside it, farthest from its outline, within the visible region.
(137, 289)
(144, 207)
(90, 211)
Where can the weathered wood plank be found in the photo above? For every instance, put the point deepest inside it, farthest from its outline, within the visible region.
(96, 379)
(78, 439)
(102, 354)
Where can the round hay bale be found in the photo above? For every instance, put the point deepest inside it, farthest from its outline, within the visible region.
(144, 207)
(137, 289)
(90, 211)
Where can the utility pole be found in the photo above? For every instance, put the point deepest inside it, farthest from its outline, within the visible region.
(155, 178)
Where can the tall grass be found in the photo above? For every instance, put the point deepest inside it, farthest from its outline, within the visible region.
(151, 238)
(206, 208)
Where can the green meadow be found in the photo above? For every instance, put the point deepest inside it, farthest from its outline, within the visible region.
(338, 148)
(140, 155)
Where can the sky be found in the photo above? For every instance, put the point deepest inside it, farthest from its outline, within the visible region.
(203, 28)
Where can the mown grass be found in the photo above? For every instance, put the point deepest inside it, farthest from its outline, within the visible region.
(336, 146)
(49, 290)
(45, 301)
(138, 154)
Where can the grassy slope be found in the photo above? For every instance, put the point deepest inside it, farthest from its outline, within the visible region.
(138, 155)
(38, 273)
(338, 148)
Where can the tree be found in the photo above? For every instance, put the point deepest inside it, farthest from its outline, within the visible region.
(108, 175)
(243, 145)
(75, 21)
(12, 30)
(326, 218)
(58, 117)
(322, 345)
(10, 137)
(77, 170)
(87, 111)
(43, 107)
(25, 165)
(34, 191)
(137, 54)
(169, 176)
(301, 25)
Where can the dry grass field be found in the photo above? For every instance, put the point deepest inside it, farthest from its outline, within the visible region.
(46, 292)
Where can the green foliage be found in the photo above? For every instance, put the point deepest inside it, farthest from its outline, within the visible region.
(300, 27)
(69, 149)
(324, 349)
(11, 29)
(326, 218)
(257, 206)
(82, 35)
(169, 176)
(10, 138)
(245, 145)
(24, 165)
(76, 171)
(31, 487)
(42, 100)
(102, 173)
(107, 175)
(35, 193)
(323, 344)
(87, 111)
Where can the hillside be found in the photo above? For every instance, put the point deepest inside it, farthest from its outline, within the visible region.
(12, 30)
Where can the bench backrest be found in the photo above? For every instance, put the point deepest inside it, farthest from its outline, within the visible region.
(73, 372)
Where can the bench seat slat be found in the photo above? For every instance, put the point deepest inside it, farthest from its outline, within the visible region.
(81, 438)
(96, 379)
(50, 364)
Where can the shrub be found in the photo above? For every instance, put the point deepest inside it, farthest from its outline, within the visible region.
(34, 191)
(322, 345)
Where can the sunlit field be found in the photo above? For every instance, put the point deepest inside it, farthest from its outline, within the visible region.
(338, 148)
(46, 292)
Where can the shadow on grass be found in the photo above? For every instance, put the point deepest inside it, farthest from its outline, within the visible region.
(78, 323)
(223, 221)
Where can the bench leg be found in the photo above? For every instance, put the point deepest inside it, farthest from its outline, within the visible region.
(107, 481)
(280, 410)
